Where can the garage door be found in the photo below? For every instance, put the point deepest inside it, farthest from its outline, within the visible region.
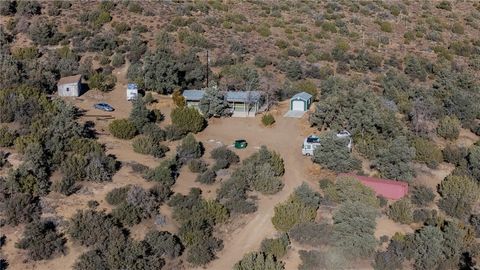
(298, 105)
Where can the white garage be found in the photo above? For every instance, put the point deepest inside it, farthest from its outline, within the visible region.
(300, 102)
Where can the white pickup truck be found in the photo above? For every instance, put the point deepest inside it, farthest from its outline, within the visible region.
(313, 141)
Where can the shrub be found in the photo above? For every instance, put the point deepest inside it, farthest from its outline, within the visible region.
(122, 129)
(173, 133)
(459, 194)
(268, 119)
(89, 227)
(422, 195)
(147, 146)
(262, 61)
(401, 211)
(334, 154)
(207, 177)
(422, 215)
(29, 7)
(445, 4)
(102, 82)
(311, 233)
(127, 214)
(454, 154)
(43, 32)
(117, 195)
(224, 157)
(189, 149)
(164, 173)
(164, 244)
(187, 119)
(386, 27)
(350, 189)
(475, 222)
(395, 160)
(449, 128)
(21, 208)
(257, 261)
(7, 138)
(276, 247)
(307, 196)
(118, 60)
(353, 229)
(458, 28)
(143, 145)
(197, 166)
(42, 240)
(290, 213)
(427, 152)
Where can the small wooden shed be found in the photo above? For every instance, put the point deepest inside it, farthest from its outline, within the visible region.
(70, 86)
(300, 102)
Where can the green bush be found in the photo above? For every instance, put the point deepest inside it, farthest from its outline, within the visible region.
(102, 82)
(197, 166)
(334, 154)
(207, 177)
(290, 213)
(118, 60)
(122, 129)
(422, 195)
(268, 119)
(459, 195)
(143, 145)
(188, 119)
(258, 261)
(445, 4)
(458, 28)
(276, 247)
(42, 240)
(7, 138)
(386, 27)
(117, 195)
(401, 211)
(454, 154)
(311, 233)
(427, 152)
(449, 128)
(262, 61)
(189, 149)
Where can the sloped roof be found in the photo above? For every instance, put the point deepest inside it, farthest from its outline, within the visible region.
(195, 95)
(243, 96)
(389, 189)
(70, 79)
(303, 96)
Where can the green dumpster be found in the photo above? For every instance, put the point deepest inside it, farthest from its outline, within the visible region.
(240, 144)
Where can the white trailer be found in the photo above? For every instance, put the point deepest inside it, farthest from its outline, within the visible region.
(313, 141)
(132, 91)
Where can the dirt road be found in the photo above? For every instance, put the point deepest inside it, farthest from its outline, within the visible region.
(286, 138)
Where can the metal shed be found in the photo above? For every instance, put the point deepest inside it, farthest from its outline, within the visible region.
(70, 86)
(300, 102)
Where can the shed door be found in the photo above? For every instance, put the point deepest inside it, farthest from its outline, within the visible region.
(298, 105)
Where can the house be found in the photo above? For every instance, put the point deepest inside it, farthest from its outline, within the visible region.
(301, 102)
(70, 86)
(242, 103)
(390, 189)
(193, 97)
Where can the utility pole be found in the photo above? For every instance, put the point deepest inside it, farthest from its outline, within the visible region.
(208, 61)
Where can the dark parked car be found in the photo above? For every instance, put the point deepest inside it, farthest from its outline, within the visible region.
(104, 107)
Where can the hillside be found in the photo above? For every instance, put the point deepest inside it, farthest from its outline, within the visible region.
(158, 183)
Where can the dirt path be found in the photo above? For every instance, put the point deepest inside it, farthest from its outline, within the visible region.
(285, 137)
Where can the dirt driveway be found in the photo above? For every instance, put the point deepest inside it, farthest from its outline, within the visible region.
(285, 137)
